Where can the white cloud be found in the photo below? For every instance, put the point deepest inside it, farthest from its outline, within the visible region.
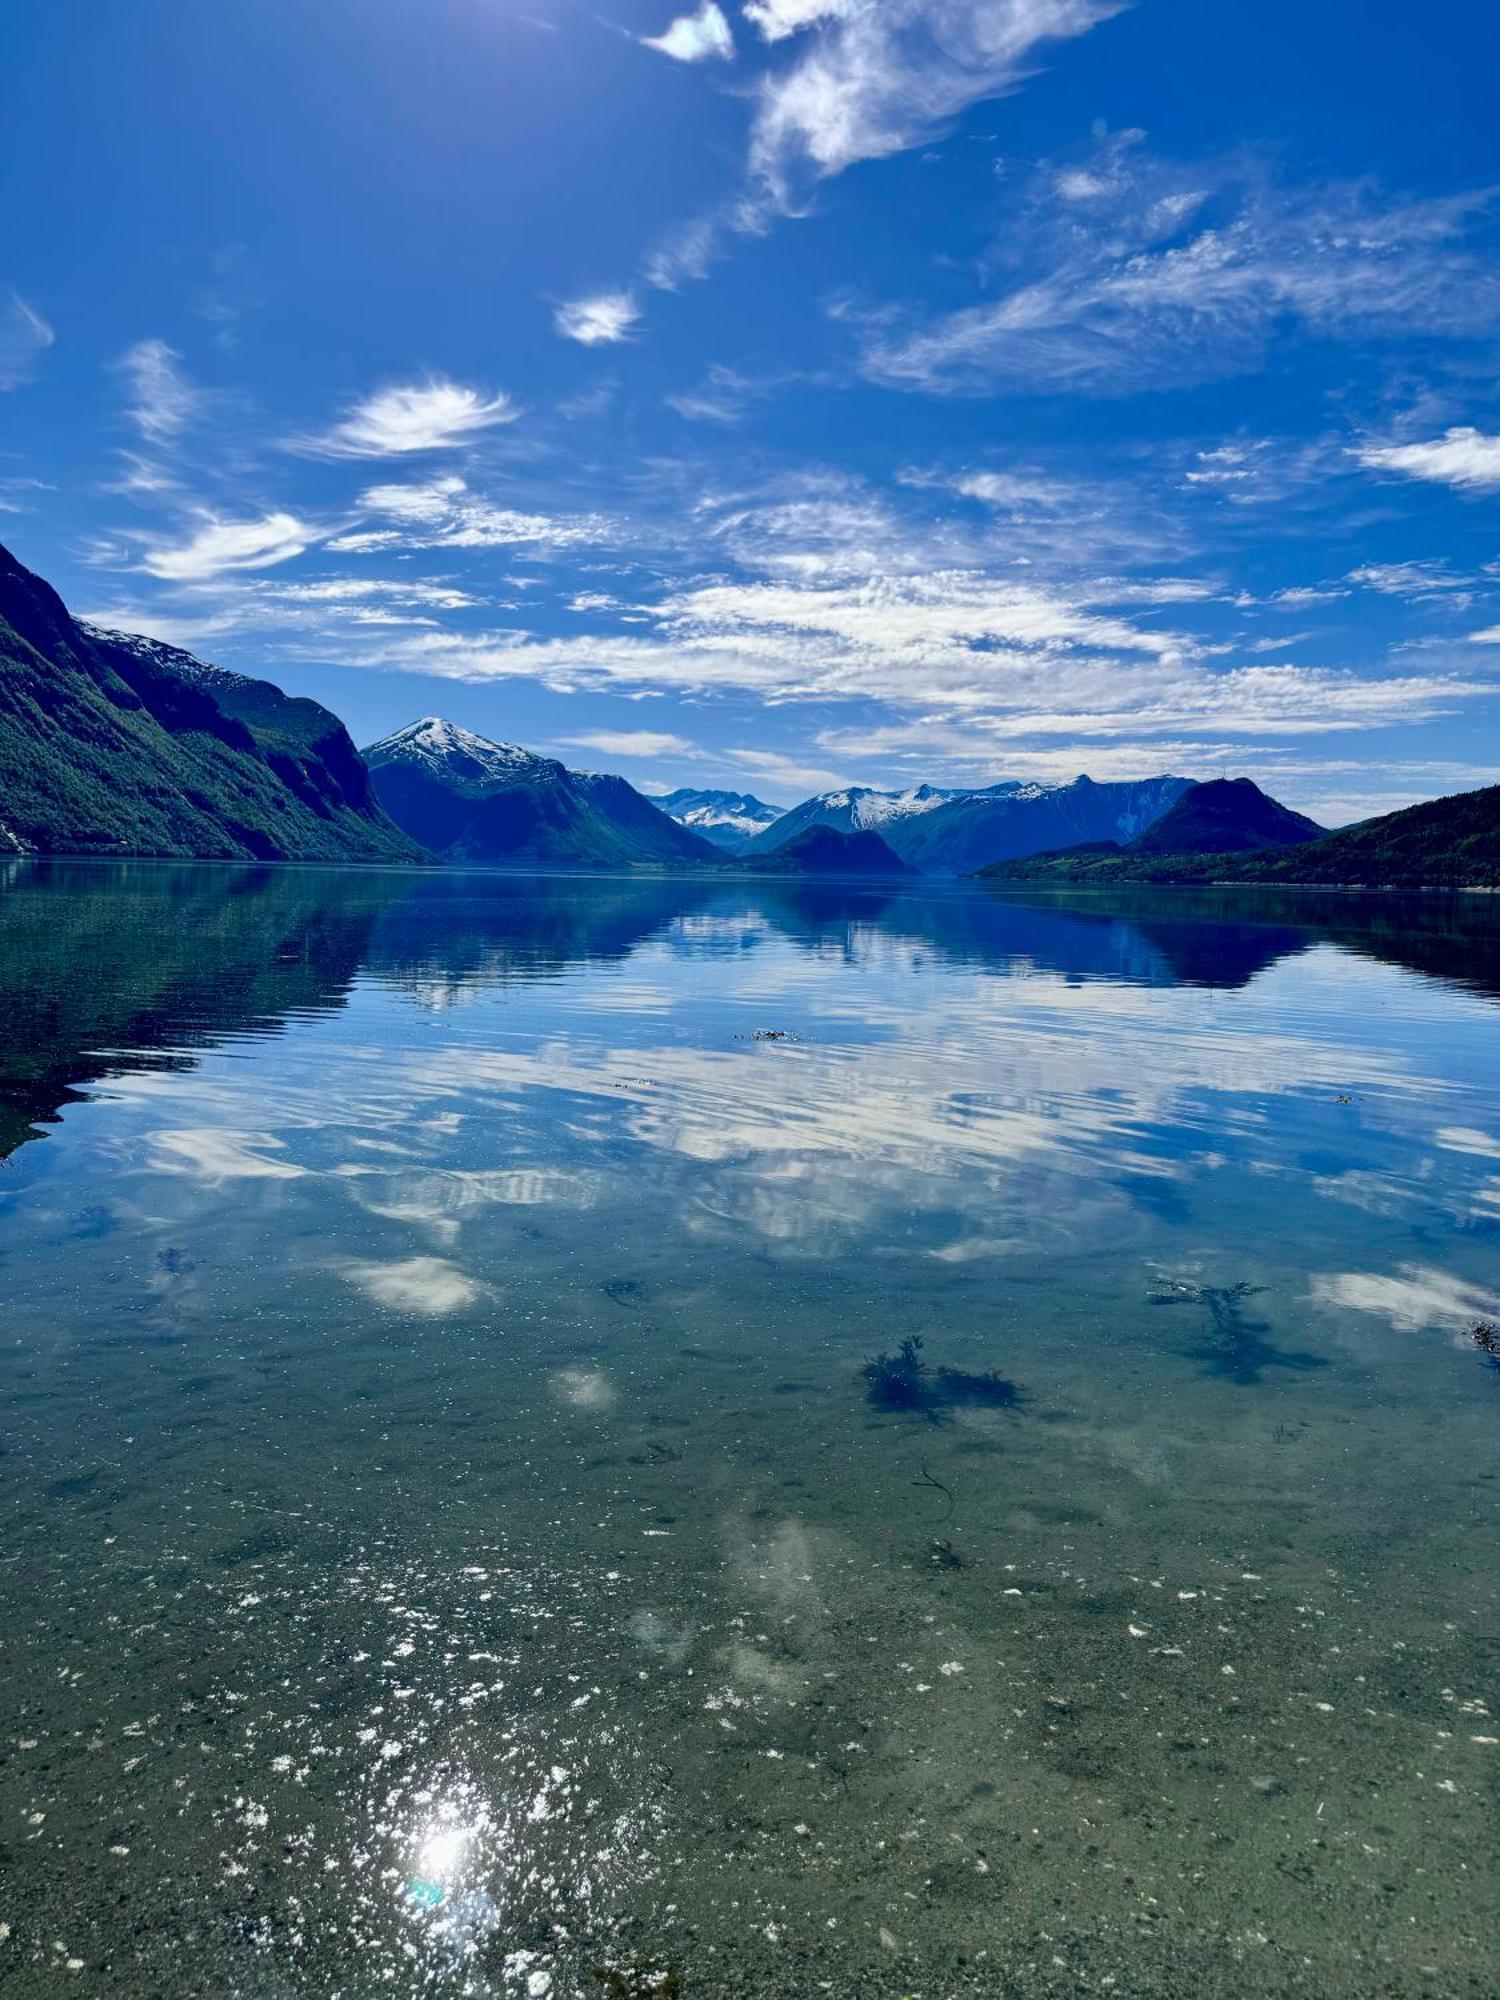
(162, 401)
(24, 337)
(772, 767)
(684, 253)
(599, 320)
(878, 79)
(446, 514)
(722, 397)
(412, 416)
(1461, 457)
(1408, 580)
(777, 19)
(696, 37)
(220, 545)
(1490, 636)
(632, 743)
(1132, 291)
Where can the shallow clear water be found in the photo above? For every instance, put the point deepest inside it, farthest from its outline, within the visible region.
(450, 1544)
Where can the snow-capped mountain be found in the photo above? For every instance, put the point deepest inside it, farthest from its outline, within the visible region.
(470, 799)
(952, 831)
(170, 659)
(728, 819)
(456, 754)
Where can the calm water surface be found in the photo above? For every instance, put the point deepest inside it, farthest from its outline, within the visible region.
(450, 1545)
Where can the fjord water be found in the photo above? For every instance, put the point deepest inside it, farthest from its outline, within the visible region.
(450, 1545)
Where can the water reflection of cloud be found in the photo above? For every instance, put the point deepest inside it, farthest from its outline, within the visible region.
(993, 1106)
(442, 1200)
(429, 1285)
(214, 1156)
(584, 1388)
(1416, 1298)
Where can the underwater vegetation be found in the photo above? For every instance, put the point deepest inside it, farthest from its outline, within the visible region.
(1236, 1347)
(903, 1381)
(637, 1982)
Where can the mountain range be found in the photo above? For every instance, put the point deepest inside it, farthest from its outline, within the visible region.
(728, 819)
(111, 743)
(1452, 842)
(941, 831)
(465, 798)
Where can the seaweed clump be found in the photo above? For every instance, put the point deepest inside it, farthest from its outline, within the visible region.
(1486, 1337)
(1236, 1347)
(903, 1381)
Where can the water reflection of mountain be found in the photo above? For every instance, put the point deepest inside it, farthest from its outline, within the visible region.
(1079, 942)
(108, 967)
(115, 966)
(1454, 938)
(465, 930)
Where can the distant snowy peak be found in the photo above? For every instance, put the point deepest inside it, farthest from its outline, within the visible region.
(184, 665)
(952, 830)
(448, 750)
(869, 810)
(725, 818)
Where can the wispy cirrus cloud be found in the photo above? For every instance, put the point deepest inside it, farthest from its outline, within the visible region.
(431, 415)
(724, 396)
(163, 402)
(217, 546)
(1172, 274)
(869, 81)
(447, 514)
(603, 319)
(1463, 457)
(875, 80)
(704, 36)
(1412, 581)
(24, 337)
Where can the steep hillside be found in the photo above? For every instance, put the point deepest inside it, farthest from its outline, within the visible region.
(1225, 816)
(827, 850)
(116, 745)
(1443, 843)
(472, 800)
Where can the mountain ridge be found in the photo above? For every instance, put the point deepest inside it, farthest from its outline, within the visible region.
(727, 819)
(113, 744)
(470, 799)
(942, 831)
(1446, 843)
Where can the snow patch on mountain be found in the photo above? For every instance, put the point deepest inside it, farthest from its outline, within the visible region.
(449, 750)
(172, 658)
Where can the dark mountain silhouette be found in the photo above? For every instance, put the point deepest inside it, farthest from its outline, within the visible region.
(1443, 843)
(825, 850)
(111, 744)
(1225, 816)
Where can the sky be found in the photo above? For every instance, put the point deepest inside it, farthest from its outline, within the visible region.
(781, 394)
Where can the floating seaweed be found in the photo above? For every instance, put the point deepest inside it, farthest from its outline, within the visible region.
(1486, 1337)
(1236, 1347)
(903, 1381)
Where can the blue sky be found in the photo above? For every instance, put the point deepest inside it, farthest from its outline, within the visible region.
(786, 393)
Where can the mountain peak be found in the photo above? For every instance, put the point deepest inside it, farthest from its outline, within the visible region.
(438, 744)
